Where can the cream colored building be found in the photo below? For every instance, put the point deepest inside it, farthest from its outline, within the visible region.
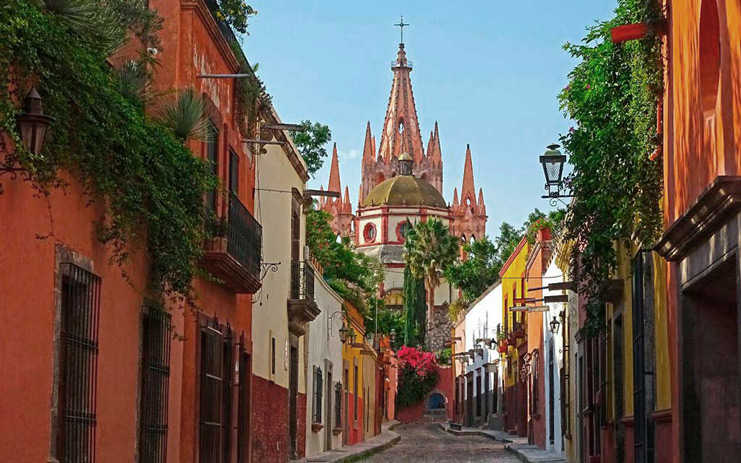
(324, 424)
(284, 306)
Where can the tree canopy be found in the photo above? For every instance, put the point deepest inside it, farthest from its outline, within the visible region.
(311, 142)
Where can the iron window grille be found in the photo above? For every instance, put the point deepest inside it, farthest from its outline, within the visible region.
(318, 385)
(80, 304)
(157, 333)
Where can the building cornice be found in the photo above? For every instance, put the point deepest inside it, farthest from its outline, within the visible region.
(713, 206)
(202, 11)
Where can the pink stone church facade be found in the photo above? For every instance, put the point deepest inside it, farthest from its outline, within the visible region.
(389, 198)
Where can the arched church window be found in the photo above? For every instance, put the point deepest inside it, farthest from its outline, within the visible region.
(401, 126)
(369, 233)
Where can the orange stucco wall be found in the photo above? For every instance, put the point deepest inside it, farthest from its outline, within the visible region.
(701, 140)
(192, 44)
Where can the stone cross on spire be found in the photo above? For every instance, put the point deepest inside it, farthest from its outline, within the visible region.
(401, 25)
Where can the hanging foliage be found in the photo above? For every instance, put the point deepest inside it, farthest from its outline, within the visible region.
(612, 96)
(151, 183)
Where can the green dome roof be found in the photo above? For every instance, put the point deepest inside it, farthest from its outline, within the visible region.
(404, 190)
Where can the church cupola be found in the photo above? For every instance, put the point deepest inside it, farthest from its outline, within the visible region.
(405, 164)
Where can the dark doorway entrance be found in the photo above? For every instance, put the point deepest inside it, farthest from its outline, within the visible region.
(436, 401)
(710, 362)
(292, 401)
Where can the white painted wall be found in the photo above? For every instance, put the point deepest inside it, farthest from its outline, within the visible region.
(553, 275)
(481, 321)
(325, 351)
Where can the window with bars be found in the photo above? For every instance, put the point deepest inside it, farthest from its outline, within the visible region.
(338, 405)
(317, 404)
(216, 393)
(212, 156)
(156, 335)
(80, 305)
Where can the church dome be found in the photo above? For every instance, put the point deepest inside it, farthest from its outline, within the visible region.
(404, 190)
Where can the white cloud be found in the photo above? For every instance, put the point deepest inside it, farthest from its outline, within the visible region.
(352, 154)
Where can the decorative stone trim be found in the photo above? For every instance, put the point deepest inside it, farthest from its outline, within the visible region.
(715, 204)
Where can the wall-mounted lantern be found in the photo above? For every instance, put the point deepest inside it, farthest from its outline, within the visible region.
(33, 123)
(552, 161)
(554, 324)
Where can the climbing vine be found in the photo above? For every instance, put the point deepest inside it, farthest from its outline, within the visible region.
(151, 183)
(612, 96)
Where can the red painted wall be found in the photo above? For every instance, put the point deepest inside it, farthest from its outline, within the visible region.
(269, 421)
(27, 310)
(444, 386)
(355, 427)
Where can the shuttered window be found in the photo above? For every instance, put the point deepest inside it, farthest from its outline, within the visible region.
(80, 304)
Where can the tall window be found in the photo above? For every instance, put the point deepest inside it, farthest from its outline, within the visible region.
(317, 408)
(233, 173)
(216, 398)
(338, 405)
(80, 304)
(295, 231)
(355, 391)
(157, 332)
(212, 155)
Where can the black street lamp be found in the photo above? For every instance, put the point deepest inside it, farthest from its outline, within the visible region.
(33, 123)
(554, 325)
(552, 161)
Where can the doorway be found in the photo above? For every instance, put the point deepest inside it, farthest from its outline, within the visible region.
(710, 378)
(292, 402)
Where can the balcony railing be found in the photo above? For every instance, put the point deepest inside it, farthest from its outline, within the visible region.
(234, 257)
(302, 281)
(302, 308)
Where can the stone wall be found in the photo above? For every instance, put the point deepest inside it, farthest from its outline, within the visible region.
(438, 329)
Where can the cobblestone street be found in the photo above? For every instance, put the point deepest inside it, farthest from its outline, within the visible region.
(428, 443)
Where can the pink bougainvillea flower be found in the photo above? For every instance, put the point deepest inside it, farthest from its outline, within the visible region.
(589, 86)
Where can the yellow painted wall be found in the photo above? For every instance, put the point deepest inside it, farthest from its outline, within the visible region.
(513, 286)
(663, 368)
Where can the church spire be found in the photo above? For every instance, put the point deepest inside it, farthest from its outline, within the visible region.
(334, 173)
(468, 191)
(368, 155)
(401, 127)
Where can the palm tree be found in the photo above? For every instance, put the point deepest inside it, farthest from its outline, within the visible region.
(429, 249)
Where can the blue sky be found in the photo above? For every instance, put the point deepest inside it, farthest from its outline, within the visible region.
(488, 71)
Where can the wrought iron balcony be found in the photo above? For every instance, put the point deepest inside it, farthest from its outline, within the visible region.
(301, 305)
(234, 256)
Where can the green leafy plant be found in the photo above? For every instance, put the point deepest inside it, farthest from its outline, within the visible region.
(311, 143)
(151, 185)
(236, 13)
(612, 96)
(417, 376)
(476, 273)
(415, 311)
(351, 274)
(428, 250)
(187, 117)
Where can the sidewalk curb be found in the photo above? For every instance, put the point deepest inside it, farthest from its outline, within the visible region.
(387, 439)
(469, 433)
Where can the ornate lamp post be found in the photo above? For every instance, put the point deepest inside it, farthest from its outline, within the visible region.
(552, 161)
(33, 123)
